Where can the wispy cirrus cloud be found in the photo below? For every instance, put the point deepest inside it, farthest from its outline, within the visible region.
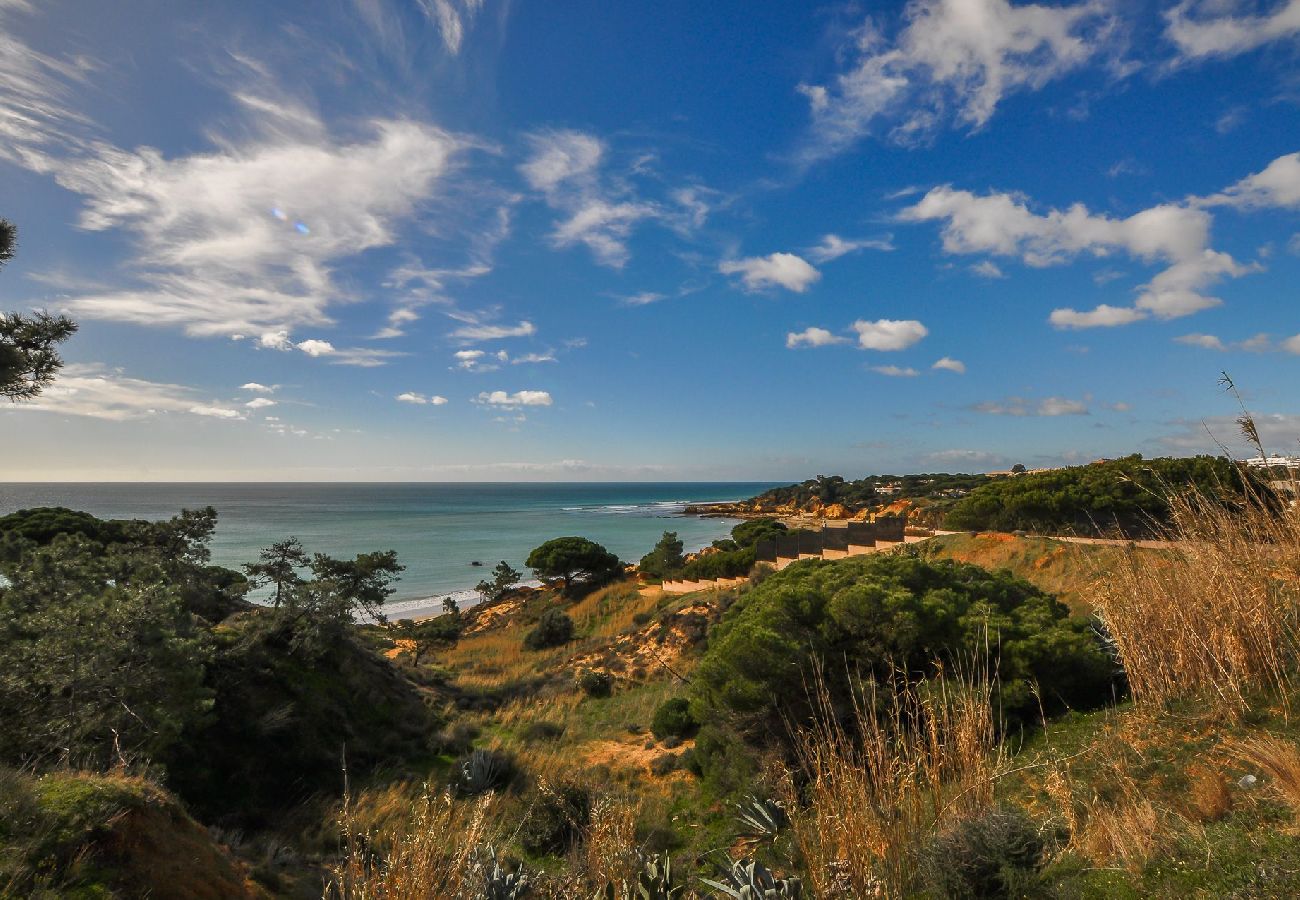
(1021, 406)
(98, 392)
(475, 333)
(832, 247)
(597, 208)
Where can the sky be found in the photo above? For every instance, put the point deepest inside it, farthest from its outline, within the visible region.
(480, 240)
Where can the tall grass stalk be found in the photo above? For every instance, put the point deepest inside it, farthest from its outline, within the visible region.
(1216, 615)
(910, 760)
(411, 848)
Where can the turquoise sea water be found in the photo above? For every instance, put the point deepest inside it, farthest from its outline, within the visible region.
(436, 529)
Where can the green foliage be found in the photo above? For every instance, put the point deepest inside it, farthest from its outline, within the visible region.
(723, 564)
(553, 629)
(673, 719)
(574, 559)
(666, 559)
(428, 635)
(761, 819)
(100, 656)
(499, 883)
(999, 854)
(750, 880)
(481, 771)
(596, 684)
(556, 820)
(749, 533)
(655, 880)
(880, 615)
(44, 524)
(863, 492)
(1125, 496)
(29, 357)
(278, 565)
(504, 578)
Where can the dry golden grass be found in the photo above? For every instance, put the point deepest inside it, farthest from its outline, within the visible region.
(1216, 616)
(880, 788)
(1277, 759)
(413, 848)
(610, 854)
(1209, 794)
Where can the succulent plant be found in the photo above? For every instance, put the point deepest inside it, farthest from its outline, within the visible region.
(498, 884)
(761, 819)
(480, 771)
(654, 882)
(750, 880)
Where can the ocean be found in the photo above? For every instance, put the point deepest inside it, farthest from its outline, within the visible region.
(438, 530)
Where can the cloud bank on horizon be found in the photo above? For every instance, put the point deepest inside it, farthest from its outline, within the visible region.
(422, 240)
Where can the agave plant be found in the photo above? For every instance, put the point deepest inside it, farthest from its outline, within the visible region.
(498, 884)
(480, 771)
(750, 880)
(654, 882)
(761, 819)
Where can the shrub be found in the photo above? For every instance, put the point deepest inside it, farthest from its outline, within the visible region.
(673, 719)
(542, 731)
(556, 819)
(596, 684)
(553, 629)
(480, 771)
(998, 854)
(878, 615)
(665, 559)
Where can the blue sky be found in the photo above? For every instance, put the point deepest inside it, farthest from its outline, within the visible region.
(479, 240)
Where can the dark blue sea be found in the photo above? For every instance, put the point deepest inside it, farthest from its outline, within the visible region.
(438, 530)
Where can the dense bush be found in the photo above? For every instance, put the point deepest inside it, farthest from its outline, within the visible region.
(1125, 496)
(553, 629)
(596, 684)
(877, 615)
(723, 564)
(574, 559)
(830, 489)
(556, 819)
(673, 718)
(999, 854)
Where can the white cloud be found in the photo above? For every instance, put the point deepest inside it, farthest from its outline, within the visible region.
(1104, 316)
(260, 403)
(987, 269)
(216, 412)
(1260, 343)
(1278, 185)
(533, 358)
(786, 270)
(494, 332)
(896, 371)
(601, 213)
(1003, 225)
(515, 400)
(833, 246)
(98, 392)
(889, 334)
(316, 347)
(949, 364)
(963, 55)
(1020, 406)
(1201, 29)
(813, 337)
(245, 238)
(451, 18)
(255, 388)
(1292, 344)
(645, 298)
(275, 340)
(421, 399)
